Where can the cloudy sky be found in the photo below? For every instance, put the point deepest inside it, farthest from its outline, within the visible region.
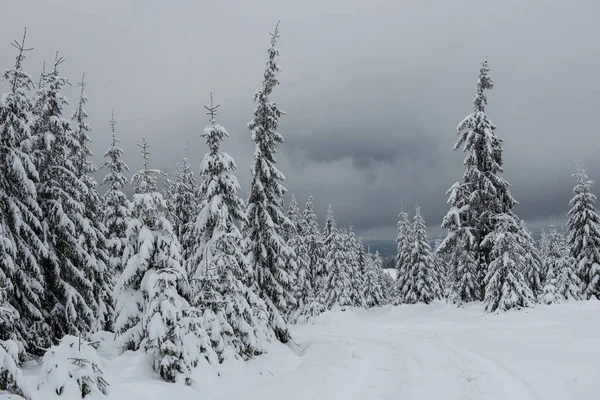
(373, 90)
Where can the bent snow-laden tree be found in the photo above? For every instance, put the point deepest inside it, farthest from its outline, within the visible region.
(483, 194)
(268, 254)
(115, 203)
(506, 287)
(21, 244)
(584, 234)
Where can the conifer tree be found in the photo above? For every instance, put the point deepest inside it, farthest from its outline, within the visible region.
(21, 244)
(483, 194)
(584, 234)
(93, 236)
(185, 206)
(506, 287)
(297, 234)
(269, 256)
(373, 291)
(404, 242)
(337, 289)
(152, 246)
(218, 263)
(69, 299)
(354, 268)
(532, 269)
(459, 249)
(116, 206)
(560, 266)
(422, 284)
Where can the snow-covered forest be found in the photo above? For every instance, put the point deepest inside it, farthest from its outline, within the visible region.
(190, 274)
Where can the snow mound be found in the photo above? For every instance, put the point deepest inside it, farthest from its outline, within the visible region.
(338, 316)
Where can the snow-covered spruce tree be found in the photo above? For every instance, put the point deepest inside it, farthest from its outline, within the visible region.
(11, 377)
(336, 290)
(21, 245)
(404, 242)
(115, 203)
(423, 280)
(151, 246)
(218, 265)
(561, 265)
(185, 206)
(296, 239)
(486, 194)
(373, 291)
(442, 262)
(269, 256)
(532, 270)
(93, 237)
(506, 287)
(459, 250)
(354, 268)
(584, 234)
(69, 302)
(73, 369)
(310, 260)
(163, 323)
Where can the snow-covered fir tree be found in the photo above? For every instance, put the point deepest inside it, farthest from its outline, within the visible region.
(218, 265)
(269, 256)
(483, 194)
(163, 322)
(423, 282)
(506, 287)
(584, 234)
(374, 293)
(560, 266)
(355, 269)
(458, 248)
(21, 244)
(185, 206)
(93, 237)
(404, 242)
(152, 246)
(68, 267)
(336, 290)
(115, 204)
(442, 261)
(296, 239)
(532, 270)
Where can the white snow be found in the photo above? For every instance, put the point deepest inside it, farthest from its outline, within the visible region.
(435, 351)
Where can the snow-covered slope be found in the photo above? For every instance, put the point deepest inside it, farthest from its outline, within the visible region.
(408, 352)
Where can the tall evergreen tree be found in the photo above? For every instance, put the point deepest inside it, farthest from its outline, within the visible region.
(115, 204)
(68, 267)
(532, 269)
(355, 268)
(483, 194)
(268, 254)
(506, 287)
(374, 293)
(21, 245)
(584, 234)
(93, 236)
(423, 280)
(218, 263)
(404, 242)
(152, 246)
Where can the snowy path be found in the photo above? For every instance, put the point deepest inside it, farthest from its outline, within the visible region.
(438, 352)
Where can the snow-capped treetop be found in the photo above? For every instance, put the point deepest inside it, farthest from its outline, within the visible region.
(144, 180)
(114, 164)
(484, 83)
(83, 164)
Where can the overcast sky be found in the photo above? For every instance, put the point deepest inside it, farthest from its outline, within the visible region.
(373, 90)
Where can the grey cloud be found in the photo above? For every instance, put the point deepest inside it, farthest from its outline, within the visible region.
(373, 90)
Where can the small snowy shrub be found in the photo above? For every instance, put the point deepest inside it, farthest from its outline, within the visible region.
(11, 378)
(72, 369)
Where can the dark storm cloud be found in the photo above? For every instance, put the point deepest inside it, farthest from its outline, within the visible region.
(373, 91)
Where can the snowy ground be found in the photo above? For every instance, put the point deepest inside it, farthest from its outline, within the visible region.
(407, 352)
